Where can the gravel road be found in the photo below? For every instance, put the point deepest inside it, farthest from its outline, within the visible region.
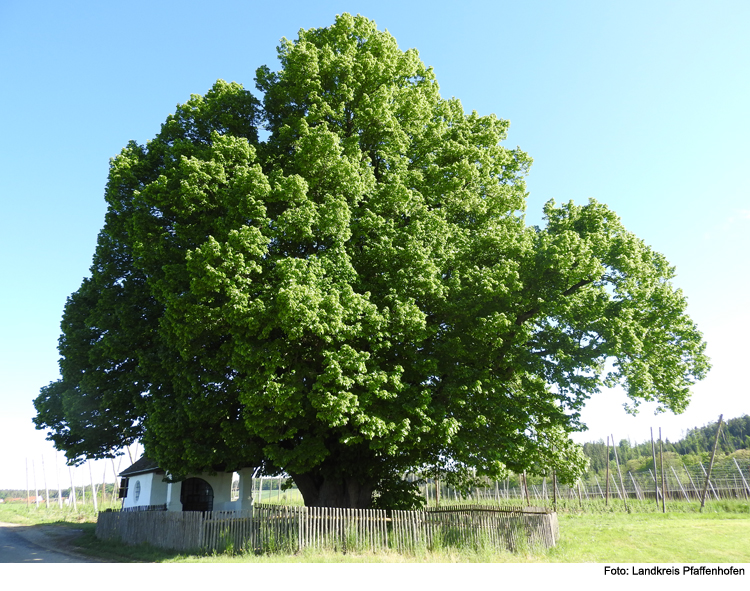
(36, 543)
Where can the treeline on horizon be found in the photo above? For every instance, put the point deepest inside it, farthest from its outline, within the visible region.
(8, 494)
(696, 446)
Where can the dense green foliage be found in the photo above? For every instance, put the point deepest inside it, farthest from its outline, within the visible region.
(735, 435)
(356, 296)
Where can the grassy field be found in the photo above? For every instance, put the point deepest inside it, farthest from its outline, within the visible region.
(21, 514)
(721, 534)
(653, 538)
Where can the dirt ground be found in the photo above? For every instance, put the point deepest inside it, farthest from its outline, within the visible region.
(55, 538)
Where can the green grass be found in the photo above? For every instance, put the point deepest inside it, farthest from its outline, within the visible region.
(721, 534)
(288, 497)
(21, 514)
(653, 538)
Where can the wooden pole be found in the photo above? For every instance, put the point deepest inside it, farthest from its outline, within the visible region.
(690, 478)
(72, 490)
(635, 486)
(116, 485)
(36, 488)
(93, 490)
(653, 453)
(596, 478)
(684, 494)
(654, 474)
(747, 488)
(46, 488)
(59, 486)
(711, 486)
(619, 472)
(104, 484)
(554, 490)
(661, 461)
(711, 464)
(526, 489)
(612, 476)
(28, 491)
(607, 500)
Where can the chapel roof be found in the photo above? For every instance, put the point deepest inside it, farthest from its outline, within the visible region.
(141, 466)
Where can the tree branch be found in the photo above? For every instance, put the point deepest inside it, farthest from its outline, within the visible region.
(577, 286)
(521, 318)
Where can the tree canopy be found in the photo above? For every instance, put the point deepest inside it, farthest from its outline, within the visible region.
(337, 281)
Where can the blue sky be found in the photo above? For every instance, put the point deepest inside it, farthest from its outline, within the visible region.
(640, 105)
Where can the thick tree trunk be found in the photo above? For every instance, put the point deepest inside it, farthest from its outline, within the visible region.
(349, 493)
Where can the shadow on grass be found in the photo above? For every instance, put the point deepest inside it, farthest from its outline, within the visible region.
(112, 551)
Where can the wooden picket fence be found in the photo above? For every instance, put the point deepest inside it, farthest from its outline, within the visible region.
(508, 528)
(274, 528)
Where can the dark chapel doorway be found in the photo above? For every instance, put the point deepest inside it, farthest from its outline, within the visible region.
(196, 495)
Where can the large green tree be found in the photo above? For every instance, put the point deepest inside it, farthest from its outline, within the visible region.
(356, 295)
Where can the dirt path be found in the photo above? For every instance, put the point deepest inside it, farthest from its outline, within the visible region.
(39, 543)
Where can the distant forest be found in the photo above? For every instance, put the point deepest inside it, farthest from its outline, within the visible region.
(695, 447)
(9, 494)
